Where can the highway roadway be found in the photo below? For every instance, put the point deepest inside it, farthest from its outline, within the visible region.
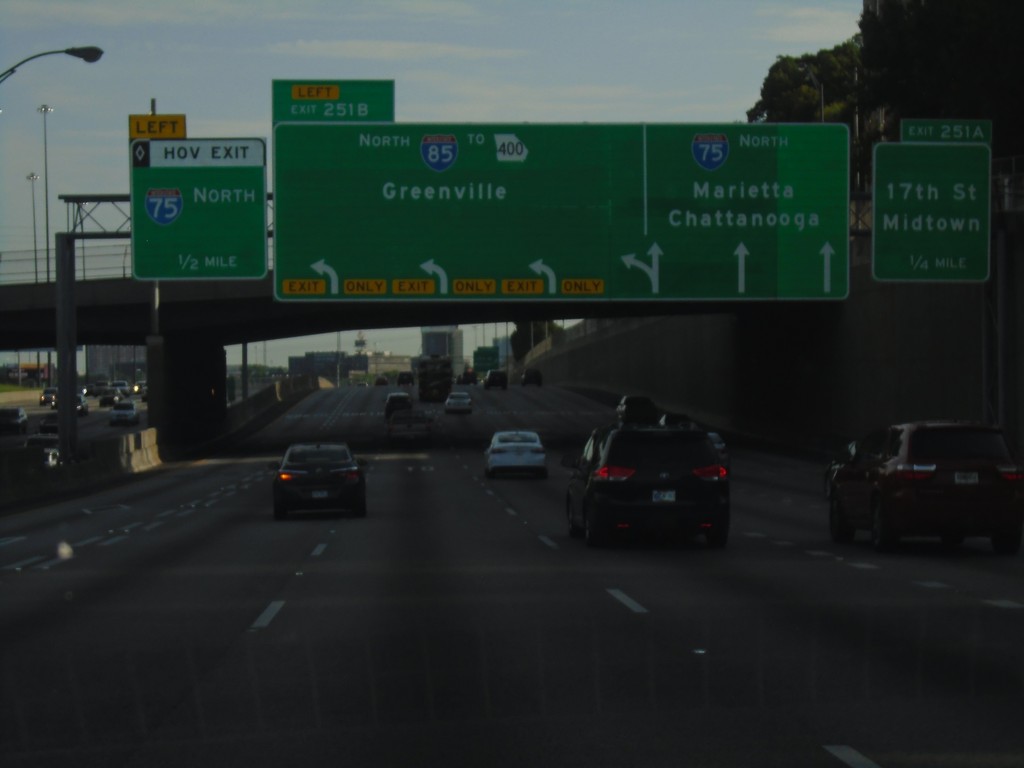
(93, 426)
(171, 621)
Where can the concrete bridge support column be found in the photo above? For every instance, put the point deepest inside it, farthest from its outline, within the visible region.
(187, 382)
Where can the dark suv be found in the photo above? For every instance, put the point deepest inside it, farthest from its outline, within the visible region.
(496, 378)
(946, 479)
(396, 401)
(648, 478)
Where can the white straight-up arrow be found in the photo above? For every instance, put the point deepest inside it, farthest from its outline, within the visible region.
(741, 253)
(542, 269)
(321, 268)
(826, 253)
(433, 269)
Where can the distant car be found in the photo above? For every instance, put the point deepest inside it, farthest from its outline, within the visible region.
(49, 397)
(381, 381)
(124, 413)
(648, 478)
(113, 396)
(467, 377)
(532, 376)
(410, 426)
(81, 405)
(458, 402)
(94, 389)
(949, 479)
(396, 401)
(121, 384)
(405, 379)
(315, 476)
(637, 409)
(14, 420)
(515, 451)
(495, 378)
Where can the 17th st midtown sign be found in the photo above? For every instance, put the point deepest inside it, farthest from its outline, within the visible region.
(561, 212)
(198, 209)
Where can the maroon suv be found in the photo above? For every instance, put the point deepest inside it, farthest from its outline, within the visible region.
(946, 479)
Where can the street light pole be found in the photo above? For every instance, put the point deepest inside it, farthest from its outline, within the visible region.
(46, 109)
(89, 54)
(34, 177)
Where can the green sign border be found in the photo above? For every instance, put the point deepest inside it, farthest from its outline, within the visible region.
(608, 192)
(930, 171)
(201, 231)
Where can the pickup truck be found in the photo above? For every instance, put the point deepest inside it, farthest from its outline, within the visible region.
(409, 426)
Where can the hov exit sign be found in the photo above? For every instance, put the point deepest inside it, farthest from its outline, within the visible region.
(198, 209)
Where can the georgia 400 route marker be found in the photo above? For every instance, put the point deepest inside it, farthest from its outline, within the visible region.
(429, 212)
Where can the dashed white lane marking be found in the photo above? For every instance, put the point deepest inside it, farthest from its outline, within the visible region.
(864, 566)
(932, 584)
(627, 601)
(850, 756)
(268, 615)
(753, 535)
(87, 542)
(548, 542)
(1003, 604)
(319, 550)
(112, 540)
(23, 563)
(11, 540)
(511, 511)
(818, 553)
(151, 526)
(782, 543)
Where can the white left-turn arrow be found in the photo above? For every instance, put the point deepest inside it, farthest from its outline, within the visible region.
(321, 268)
(433, 269)
(543, 269)
(651, 270)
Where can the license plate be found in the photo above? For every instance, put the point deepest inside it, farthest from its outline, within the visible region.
(663, 496)
(319, 494)
(965, 478)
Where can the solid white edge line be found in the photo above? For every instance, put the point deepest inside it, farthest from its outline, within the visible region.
(24, 563)
(548, 542)
(627, 601)
(318, 550)
(268, 615)
(11, 540)
(850, 756)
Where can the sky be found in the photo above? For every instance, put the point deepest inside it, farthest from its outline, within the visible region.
(558, 61)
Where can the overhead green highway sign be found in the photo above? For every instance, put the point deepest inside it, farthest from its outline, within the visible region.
(561, 212)
(331, 101)
(931, 208)
(198, 209)
(946, 130)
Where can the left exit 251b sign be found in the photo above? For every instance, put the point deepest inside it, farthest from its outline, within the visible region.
(198, 209)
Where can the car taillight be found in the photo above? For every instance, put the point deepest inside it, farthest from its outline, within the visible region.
(613, 473)
(350, 475)
(915, 472)
(285, 476)
(1011, 473)
(713, 472)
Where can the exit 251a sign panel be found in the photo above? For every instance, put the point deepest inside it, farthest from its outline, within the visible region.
(589, 212)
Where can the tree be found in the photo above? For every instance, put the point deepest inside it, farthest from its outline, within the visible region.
(946, 59)
(822, 86)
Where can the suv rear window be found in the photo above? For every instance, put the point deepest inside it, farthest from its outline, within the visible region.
(958, 443)
(645, 447)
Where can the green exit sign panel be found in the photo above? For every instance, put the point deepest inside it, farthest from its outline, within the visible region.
(198, 209)
(946, 131)
(333, 101)
(931, 207)
(568, 212)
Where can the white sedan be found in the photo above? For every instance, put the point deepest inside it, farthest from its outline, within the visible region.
(458, 402)
(515, 451)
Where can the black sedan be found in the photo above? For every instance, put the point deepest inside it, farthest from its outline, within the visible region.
(315, 476)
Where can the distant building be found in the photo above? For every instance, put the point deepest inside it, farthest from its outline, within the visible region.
(108, 363)
(445, 340)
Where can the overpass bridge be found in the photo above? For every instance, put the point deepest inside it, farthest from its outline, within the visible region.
(889, 350)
